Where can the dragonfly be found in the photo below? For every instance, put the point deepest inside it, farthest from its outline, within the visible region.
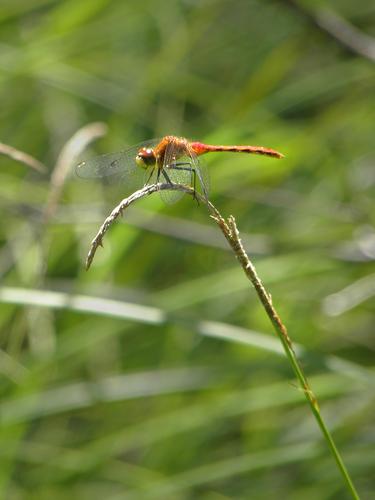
(171, 160)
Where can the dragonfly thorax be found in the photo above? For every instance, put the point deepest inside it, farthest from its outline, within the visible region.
(145, 158)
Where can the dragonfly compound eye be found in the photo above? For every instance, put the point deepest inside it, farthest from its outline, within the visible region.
(145, 157)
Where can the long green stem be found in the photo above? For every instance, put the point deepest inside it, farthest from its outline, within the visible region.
(231, 233)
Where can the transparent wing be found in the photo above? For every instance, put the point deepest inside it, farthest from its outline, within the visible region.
(202, 176)
(119, 166)
(183, 167)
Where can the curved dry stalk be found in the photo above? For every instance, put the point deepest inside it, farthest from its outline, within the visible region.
(231, 233)
(345, 33)
(22, 157)
(341, 30)
(125, 203)
(68, 155)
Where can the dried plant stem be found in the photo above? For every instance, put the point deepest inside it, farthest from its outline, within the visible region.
(230, 231)
(22, 157)
(68, 155)
(338, 28)
(118, 211)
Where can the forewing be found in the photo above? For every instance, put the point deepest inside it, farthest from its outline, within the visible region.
(118, 167)
(103, 165)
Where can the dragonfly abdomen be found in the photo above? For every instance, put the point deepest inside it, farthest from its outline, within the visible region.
(199, 148)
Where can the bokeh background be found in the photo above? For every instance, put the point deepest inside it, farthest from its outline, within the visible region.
(156, 374)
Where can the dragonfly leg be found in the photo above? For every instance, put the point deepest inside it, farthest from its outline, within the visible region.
(166, 176)
(195, 173)
(192, 171)
(180, 168)
(149, 177)
(201, 182)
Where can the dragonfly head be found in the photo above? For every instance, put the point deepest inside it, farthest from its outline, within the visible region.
(145, 158)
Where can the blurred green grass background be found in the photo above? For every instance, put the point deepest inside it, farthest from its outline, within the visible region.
(156, 374)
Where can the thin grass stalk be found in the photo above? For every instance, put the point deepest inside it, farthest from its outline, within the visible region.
(231, 233)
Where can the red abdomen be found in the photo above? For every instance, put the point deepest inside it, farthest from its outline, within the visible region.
(199, 148)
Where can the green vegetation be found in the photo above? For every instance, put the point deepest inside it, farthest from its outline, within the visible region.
(156, 374)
